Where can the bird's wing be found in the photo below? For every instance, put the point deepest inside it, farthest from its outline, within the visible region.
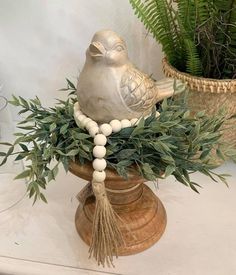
(138, 90)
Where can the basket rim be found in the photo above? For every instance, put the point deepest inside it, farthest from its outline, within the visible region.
(165, 62)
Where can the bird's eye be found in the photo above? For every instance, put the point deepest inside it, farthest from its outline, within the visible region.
(119, 48)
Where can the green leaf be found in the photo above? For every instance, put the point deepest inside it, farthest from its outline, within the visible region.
(148, 172)
(186, 114)
(3, 161)
(50, 176)
(82, 136)
(35, 198)
(20, 157)
(73, 152)
(125, 154)
(164, 105)
(23, 175)
(42, 183)
(15, 101)
(192, 186)
(36, 101)
(53, 126)
(48, 119)
(70, 84)
(10, 151)
(24, 147)
(205, 154)
(220, 154)
(24, 102)
(55, 171)
(169, 170)
(32, 192)
(139, 128)
(64, 128)
(43, 198)
(65, 163)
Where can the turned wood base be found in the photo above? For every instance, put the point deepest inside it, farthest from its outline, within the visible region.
(142, 215)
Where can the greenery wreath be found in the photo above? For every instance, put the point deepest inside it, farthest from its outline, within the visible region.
(175, 143)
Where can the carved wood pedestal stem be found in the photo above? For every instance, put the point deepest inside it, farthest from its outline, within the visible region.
(142, 216)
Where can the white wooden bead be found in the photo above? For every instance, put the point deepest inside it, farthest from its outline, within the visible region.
(77, 121)
(106, 129)
(93, 131)
(78, 113)
(115, 125)
(134, 121)
(125, 123)
(99, 151)
(99, 176)
(100, 139)
(81, 117)
(76, 107)
(99, 164)
(91, 124)
(85, 121)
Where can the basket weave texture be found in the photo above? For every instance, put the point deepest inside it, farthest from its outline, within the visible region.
(209, 95)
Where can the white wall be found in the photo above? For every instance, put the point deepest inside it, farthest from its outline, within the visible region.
(44, 41)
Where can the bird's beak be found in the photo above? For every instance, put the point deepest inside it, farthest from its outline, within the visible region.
(96, 49)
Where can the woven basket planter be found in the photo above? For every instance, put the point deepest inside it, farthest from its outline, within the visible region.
(209, 95)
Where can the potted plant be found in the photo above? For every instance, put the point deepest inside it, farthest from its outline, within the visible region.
(198, 39)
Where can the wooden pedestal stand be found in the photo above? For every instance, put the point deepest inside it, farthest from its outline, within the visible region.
(142, 215)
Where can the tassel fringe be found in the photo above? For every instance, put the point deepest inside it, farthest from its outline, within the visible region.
(106, 235)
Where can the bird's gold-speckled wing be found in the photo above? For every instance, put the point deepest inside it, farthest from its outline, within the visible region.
(138, 90)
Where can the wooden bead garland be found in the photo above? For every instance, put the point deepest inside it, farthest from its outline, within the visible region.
(103, 209)
(100, 134)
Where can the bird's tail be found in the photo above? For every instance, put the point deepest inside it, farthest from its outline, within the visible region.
(167, 87)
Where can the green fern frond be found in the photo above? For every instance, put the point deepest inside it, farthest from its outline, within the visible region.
(193, 64)
(158, 18)
(187, 22)
(194, 34)
(187, 16)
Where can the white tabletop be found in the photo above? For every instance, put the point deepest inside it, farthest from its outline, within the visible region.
(200, 238)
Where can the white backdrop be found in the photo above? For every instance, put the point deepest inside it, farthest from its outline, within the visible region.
(44, 41)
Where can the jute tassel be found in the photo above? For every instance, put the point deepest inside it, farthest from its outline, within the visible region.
(106, 235)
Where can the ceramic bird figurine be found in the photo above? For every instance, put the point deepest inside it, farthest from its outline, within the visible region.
(111, 87)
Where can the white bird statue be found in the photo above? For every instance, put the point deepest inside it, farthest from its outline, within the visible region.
(111, 87)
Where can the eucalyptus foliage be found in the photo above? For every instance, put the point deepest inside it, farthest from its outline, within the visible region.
(175, 143)
(198, 37)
